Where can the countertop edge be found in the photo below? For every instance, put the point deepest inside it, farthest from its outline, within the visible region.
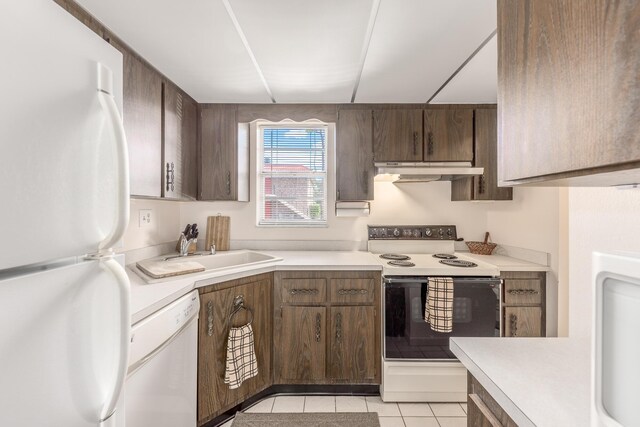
(500, 397)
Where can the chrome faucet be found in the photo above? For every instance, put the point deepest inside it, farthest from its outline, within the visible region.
(184, 243)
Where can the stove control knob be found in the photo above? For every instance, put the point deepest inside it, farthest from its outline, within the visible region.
(449, 232)
(427, 232)
(396, 232)
(441, 232)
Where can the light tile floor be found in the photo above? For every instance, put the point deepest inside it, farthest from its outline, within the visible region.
(389, 414)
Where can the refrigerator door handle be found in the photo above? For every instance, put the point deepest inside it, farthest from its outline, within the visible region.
(108, 103)
(125, 325)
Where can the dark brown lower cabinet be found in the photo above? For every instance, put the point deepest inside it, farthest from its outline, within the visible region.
(524, 304)
(304, 338)
(352, 350)
(326, 327)
(216, 304)
(482, 409)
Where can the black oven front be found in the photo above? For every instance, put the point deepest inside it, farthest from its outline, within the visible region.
(476, 313)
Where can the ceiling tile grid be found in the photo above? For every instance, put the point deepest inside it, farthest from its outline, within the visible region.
(309, 51)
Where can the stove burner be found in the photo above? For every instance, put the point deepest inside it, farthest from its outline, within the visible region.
(458, 263)
(395, 257)
(401, 263)
(445, 256)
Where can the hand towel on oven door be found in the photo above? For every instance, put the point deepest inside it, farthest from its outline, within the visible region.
(438, 310)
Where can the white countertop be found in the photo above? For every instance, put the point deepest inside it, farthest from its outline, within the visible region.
(147, 298)
(540, 382)
(505, 263)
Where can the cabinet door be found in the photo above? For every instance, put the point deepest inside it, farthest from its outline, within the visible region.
(214, 396)
(172, 121)
(397, 135)
(218, 153)
(568, 123)
(483, 187)
(354, 155)
(142, 118)
(448, 135)
(189, 163)
(486, 156)
(352, 354)
(301, 348)
(522, 322)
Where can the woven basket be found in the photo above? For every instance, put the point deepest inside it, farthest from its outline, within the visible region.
(482, 248)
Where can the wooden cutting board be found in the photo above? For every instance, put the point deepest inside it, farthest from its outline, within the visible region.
(160, 269)
(217, 233)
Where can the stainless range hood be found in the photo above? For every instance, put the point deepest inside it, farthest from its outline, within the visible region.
(399, 172)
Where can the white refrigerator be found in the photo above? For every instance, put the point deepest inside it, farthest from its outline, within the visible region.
(64, 296)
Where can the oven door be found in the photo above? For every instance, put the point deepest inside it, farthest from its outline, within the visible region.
(476, 313)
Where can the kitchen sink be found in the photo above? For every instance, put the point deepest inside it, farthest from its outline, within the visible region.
(220, 262)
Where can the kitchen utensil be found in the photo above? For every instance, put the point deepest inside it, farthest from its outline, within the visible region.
(218, 232)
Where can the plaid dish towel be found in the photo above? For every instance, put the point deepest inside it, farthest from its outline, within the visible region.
(241, 356)
(438, 311)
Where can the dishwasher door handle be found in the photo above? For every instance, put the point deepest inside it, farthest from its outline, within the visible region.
(140, 363)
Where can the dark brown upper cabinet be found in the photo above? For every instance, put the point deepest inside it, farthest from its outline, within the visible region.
(448, 135)
(484, 187)
(179, 144)
(397, 135)
(354, 155)
(568, 87)
(221, 162)
(142, 118)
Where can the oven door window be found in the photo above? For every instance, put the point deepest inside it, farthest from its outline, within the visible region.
(408, 336)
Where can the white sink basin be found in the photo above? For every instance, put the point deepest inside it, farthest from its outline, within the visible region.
(221, 261)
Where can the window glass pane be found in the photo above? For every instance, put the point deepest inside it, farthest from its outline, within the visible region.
(292, 189)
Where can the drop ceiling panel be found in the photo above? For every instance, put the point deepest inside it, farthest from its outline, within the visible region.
(417, 44)
(193, 42)
(477, 82)
(308, 50)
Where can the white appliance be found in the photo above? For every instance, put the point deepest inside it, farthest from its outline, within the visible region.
(161, 386)
(64, 297)
(418, 365)
(616, 345)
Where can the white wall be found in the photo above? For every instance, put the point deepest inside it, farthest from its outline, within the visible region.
(532, 221)
(165, 225)
(600, 219)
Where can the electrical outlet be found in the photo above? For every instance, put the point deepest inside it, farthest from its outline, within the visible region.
(145, 218)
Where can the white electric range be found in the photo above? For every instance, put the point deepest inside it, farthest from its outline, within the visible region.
(417, 363)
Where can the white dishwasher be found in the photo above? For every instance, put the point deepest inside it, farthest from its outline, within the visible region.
(161, 384)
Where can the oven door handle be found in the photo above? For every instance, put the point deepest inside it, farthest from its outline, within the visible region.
(423, 279)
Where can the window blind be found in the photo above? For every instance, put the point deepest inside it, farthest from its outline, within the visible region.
(293, 175)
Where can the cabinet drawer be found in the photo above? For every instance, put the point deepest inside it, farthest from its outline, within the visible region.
(304, 291)
(522, 291)
(359, 291)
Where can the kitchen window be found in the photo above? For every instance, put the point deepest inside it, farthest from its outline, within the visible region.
(292, 170)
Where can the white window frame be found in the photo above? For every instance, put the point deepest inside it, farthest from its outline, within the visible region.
(260, 174)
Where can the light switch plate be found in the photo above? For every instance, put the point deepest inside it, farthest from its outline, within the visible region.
(145, 218)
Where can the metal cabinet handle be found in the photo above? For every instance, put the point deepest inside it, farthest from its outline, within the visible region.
(318, 326)
(481, 184)
(339, 327)
(514, 325)
(430, 143)
(415, 143)
(228, 183)
(523, 291)
(352, 291)
(210, 318)
(304, 291)
(171, 177)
